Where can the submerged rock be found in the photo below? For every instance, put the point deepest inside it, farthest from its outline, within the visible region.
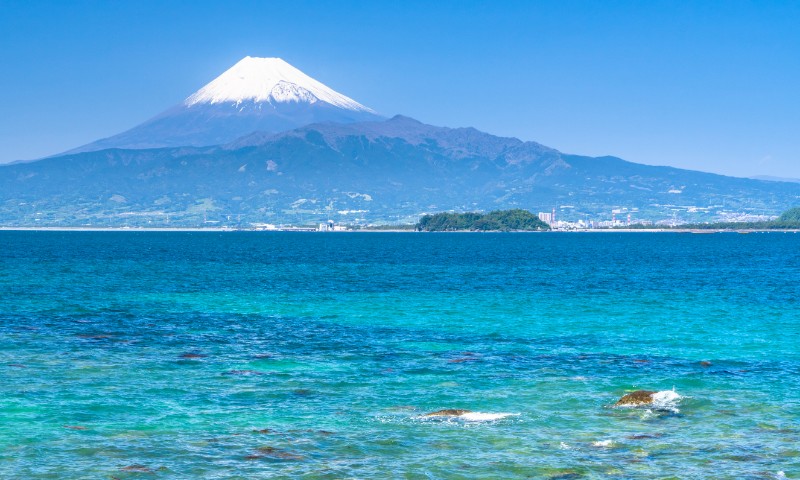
(243, 372)
(644, 436)
(276, 453)
(402, 407)
(137, 468)
(639, 397)
(463, 359)
(192, 355)
(75, 427)
(448, 412)
(567, 474)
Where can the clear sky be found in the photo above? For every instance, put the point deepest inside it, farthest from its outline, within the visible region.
(706, 85)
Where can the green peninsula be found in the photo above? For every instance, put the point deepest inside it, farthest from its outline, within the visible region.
(516, 220)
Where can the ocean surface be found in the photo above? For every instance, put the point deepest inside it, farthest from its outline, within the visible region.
(291, 355)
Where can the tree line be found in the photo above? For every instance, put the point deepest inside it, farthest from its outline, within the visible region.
(499, 220)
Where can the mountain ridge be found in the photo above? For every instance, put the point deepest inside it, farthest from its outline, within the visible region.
(399, 126)
(386, 172)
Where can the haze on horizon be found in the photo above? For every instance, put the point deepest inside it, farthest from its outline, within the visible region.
(707, 86)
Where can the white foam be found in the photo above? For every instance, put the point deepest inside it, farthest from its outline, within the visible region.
(603, 443)
(666, 396)
(666, 400)
(469, 417)
(485, 417)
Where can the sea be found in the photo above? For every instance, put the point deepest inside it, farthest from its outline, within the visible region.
(249, 355)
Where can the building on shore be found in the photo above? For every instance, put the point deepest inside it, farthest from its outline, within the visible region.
(330, 226)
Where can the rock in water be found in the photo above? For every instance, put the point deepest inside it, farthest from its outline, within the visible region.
(276, 453)
(75, 427)
(448, 412)
(137, 468)
(639, 397)
(192, 355)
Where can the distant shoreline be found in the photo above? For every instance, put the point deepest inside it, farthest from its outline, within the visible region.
(367, 230)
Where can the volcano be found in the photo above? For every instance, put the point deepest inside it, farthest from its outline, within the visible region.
(256, 94)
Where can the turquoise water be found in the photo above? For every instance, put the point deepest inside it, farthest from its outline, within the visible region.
(280, 355)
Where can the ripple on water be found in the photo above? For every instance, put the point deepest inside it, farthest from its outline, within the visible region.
(318, 356)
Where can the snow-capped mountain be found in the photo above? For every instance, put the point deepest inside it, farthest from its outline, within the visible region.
(256, 94)
(269, 81)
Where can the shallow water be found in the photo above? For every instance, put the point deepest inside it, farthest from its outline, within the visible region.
(268, 355)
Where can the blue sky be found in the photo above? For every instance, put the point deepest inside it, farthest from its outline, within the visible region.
(712, 86)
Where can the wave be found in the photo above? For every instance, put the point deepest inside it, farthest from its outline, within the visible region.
(485, 417)
(666, 400)
(603, 443)
(469, 417)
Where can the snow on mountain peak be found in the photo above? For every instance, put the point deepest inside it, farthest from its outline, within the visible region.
(270, 80)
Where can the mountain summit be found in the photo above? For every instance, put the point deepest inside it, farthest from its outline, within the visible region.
(269, 81)
(256, 94)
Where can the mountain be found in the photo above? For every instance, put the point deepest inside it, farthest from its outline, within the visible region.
(265, 94)
(380, 171)
(776, 179)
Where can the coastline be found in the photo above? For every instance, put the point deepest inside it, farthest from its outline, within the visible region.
(367, 230)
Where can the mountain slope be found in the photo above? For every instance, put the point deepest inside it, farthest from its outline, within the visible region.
(265, 94)
(384, 171)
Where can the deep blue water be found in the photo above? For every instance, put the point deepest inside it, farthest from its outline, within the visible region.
(284, 355)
